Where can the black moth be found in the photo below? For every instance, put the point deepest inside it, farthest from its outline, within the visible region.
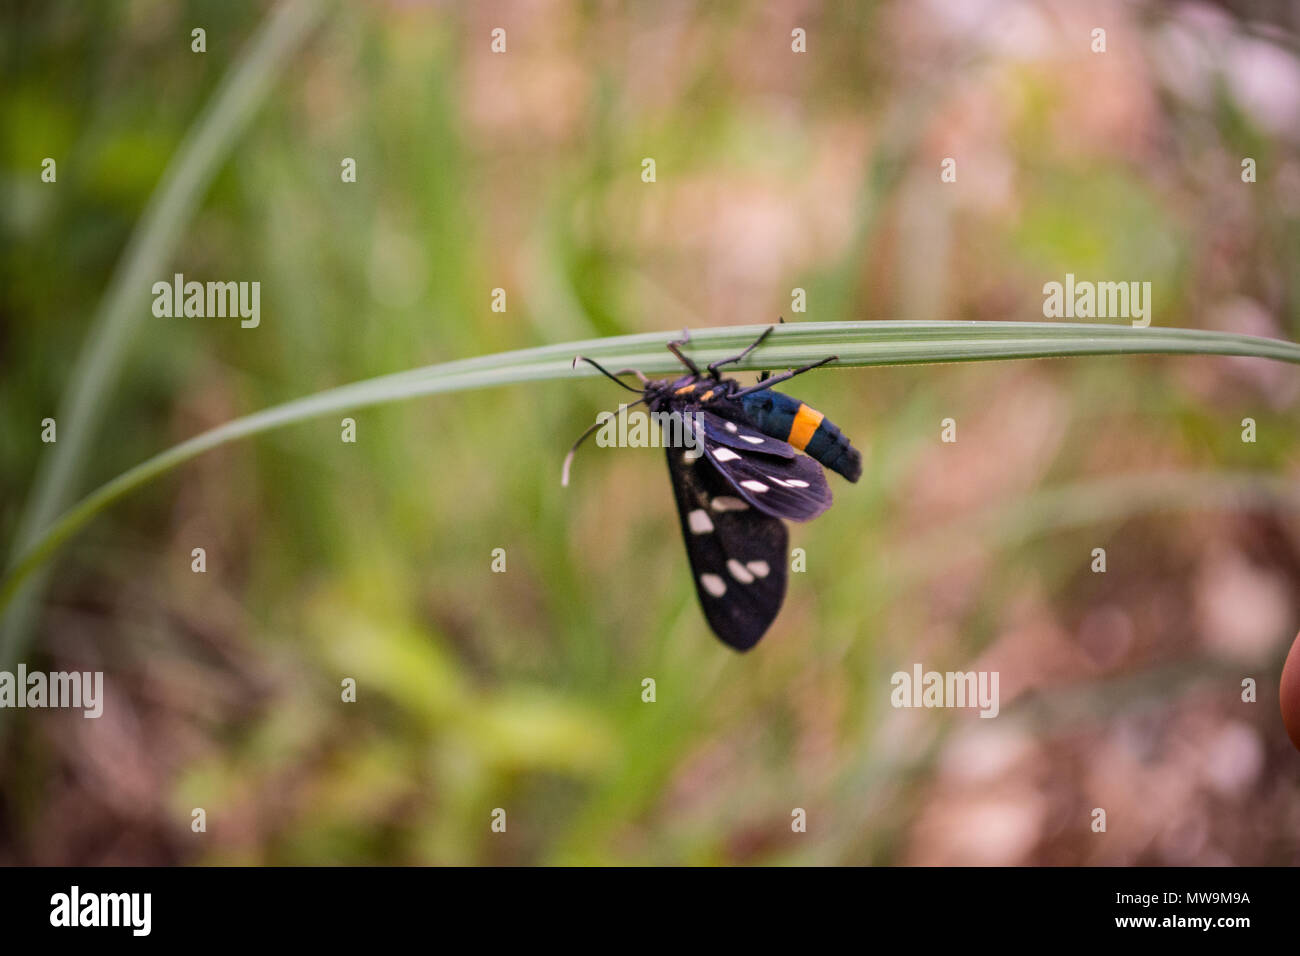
(739, 473)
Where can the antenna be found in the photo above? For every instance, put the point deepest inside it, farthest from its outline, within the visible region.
(568, 459)
(601, 369)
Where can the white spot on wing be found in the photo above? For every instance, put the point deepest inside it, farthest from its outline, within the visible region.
(758, 568)
(728, 503)
(755, 486)
(724, 454)
(699, 521)
(731, 427)
(740, 572)
(713, 584)
(752, 439)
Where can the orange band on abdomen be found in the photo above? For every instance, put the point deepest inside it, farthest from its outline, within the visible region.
(805, 425)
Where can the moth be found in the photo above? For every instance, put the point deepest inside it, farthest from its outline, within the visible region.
(748, 459)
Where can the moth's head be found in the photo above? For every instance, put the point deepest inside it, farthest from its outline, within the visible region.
(661, 388)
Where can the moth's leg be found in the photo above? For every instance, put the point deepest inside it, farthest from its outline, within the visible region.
(640, 375)
(784, 376)
(765, 374)
(713, 366)
(675, 347)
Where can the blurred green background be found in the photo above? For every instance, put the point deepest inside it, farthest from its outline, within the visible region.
(775, 171)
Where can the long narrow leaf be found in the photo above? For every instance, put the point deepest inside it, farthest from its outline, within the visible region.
(120, 312)
(856, 344)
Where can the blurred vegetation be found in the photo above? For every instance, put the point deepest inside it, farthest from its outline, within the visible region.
(523, 690)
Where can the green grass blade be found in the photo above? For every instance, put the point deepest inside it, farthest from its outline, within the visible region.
(856, 344)
(124, 304)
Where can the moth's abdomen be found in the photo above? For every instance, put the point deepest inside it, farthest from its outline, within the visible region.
(829, 446)
(805, 428)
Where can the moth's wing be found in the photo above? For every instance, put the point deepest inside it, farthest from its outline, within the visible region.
(737, 553)
(793, 488)
(738, 435)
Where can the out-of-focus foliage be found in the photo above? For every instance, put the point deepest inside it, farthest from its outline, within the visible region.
(523, 690)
